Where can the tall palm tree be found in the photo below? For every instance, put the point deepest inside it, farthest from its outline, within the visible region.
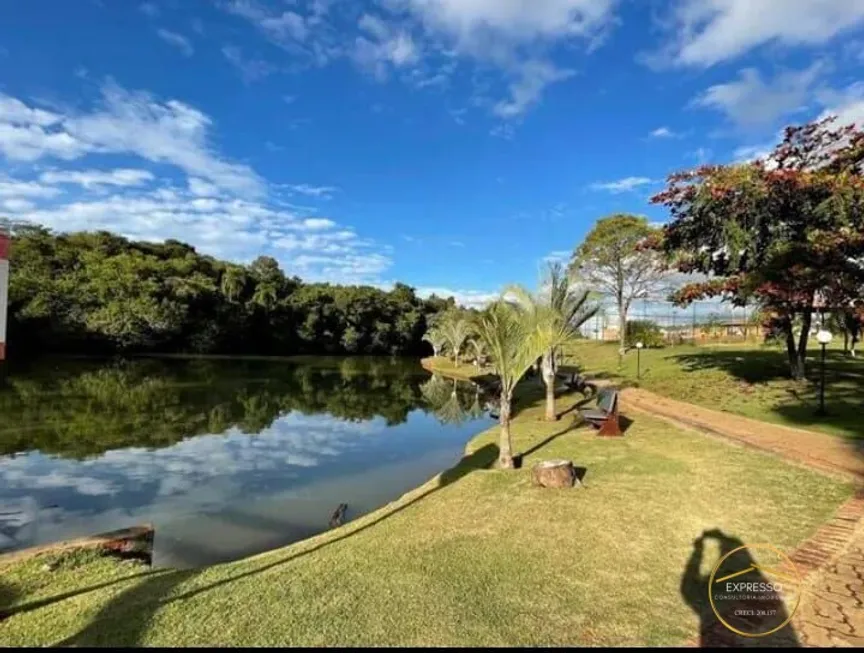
(456, 330)
(233, 282)
(265, 295)
(515, 338)
(571, 304)
(478, 350)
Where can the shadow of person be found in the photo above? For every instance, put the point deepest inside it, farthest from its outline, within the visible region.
(695, 591)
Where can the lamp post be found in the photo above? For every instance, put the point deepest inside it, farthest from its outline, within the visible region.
(823, 337)
(639, 346)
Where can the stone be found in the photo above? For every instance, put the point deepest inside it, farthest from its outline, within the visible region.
(555, 474)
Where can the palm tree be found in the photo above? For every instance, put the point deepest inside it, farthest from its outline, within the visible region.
(233, 282)
(456, 331)
(435, 337)
(265, 295)
(560, 297)
(515, 338)
(478, 349)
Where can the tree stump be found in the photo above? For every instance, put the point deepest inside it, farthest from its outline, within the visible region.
(555, 474)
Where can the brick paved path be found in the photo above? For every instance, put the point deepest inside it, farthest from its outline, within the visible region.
(831, 612)
(818, 450)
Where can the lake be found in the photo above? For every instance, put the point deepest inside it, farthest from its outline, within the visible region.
(225, 458)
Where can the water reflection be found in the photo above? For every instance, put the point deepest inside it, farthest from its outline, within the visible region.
(248, 454)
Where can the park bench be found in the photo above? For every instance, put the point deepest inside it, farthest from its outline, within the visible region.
(605, 416)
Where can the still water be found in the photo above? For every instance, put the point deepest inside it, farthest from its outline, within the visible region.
(225, 458)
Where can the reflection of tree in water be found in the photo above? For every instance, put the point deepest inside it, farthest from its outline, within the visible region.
(695, 589)
(79, 409)
(452, 401)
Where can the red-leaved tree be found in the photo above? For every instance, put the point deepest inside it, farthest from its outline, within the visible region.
(785, 232)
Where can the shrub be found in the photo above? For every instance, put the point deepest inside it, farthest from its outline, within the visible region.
(646, 331)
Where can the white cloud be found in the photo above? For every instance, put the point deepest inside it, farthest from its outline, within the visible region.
(622, 185)
(201, 188)
(287, 29)
(318, 223)
(177, 40)
(288, 25)
(324, 192)
(16, 188)
(511, 34)
(15, 112)
(750, 102)
(467, 298)
(711, 31)
(17, 205)
(663, 132)
(558, 256)
(228, 227)
(251, 70)
(472, 22)
(222, 208)
(382, 46)
(423, 38)
(131, 123)
(27, 142)
(847, 105)
(532, 77)
(747, 153)
(96, 178)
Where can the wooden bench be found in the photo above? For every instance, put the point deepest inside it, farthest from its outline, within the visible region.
(605, 416)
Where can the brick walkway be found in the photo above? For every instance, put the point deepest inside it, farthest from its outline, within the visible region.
(831, 612)
(825, 452)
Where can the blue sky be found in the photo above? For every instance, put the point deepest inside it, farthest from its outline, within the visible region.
(449, 144)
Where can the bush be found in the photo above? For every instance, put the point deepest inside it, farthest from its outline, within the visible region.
(644, 331)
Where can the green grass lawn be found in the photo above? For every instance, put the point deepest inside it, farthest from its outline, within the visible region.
(476, 556)
(445, 366)
(749, 380)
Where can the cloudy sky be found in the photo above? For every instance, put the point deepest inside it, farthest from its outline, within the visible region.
(450, 144)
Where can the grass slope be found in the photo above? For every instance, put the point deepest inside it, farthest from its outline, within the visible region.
(474, 557)
(746, 380)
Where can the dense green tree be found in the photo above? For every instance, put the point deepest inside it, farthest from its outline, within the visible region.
(612, 261)
(785, 233)
(101, 293)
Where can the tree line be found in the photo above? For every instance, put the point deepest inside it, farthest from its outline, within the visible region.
(100, 293)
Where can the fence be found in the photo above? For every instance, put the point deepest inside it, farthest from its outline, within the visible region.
(701, 322)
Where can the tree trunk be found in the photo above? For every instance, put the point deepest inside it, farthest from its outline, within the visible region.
(548, 367)
(622, 329)
(554, 474)
(791, 353)
(806, 322)
(505, 446)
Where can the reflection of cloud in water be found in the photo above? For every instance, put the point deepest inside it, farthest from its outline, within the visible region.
(193, 475)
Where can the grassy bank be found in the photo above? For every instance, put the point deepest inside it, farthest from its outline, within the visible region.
(473, 557)
(748, 380)
(447, 367)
